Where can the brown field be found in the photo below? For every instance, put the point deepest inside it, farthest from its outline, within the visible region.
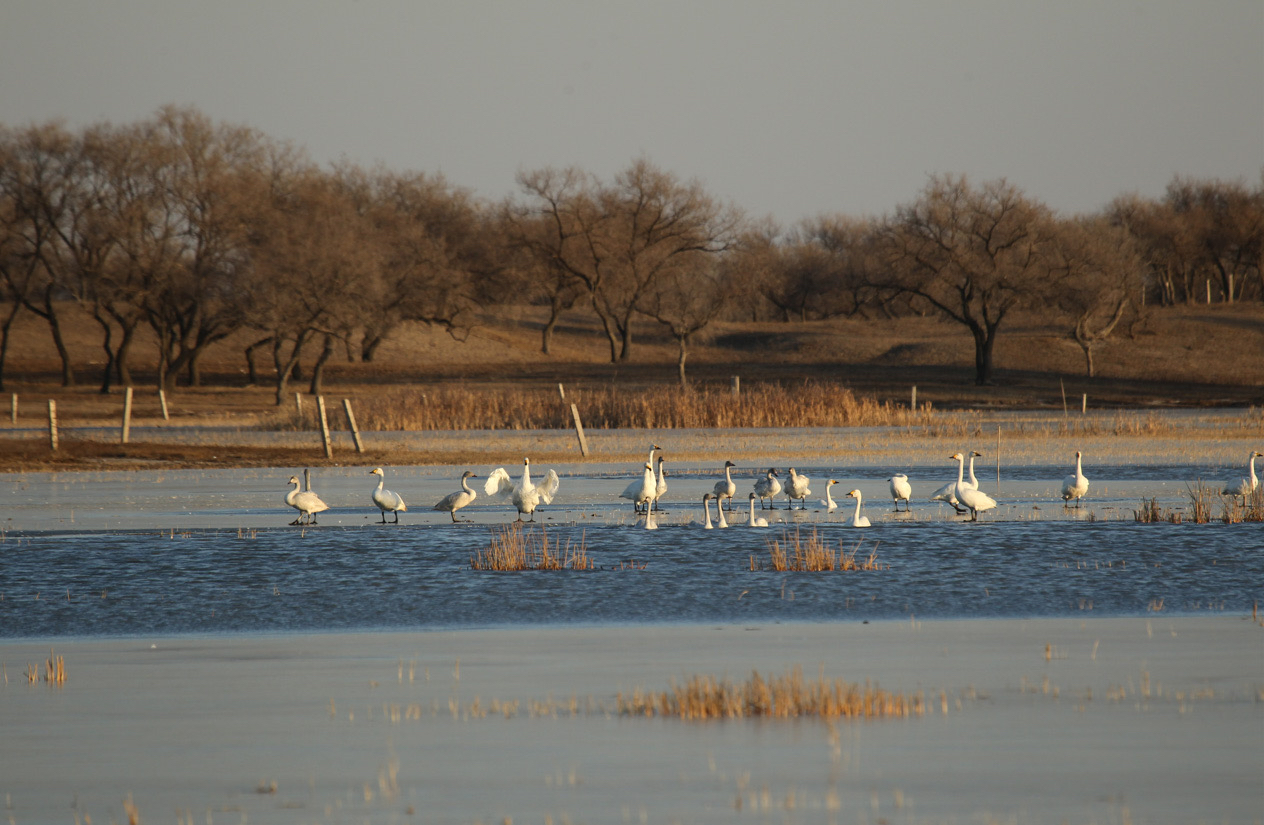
(1192, 356)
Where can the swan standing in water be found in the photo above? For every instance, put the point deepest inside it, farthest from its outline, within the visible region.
(524, 495)
(726, 488)
(306, 502)
(756, 521)
(948, 493)
(660, 487)
(385, 500)
(857, 520)
(455, 501)
(1245, 486)
(797, 488)
(975, 500)
(901, 490)
(830, 504)
(1075, 486)
(642, 491)
(767, 488)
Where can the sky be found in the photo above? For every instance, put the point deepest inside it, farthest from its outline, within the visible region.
(793, 109)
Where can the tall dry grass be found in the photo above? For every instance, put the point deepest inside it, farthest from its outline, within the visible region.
(514, 547)
(778, 697)
(806, 404)
(813, 554)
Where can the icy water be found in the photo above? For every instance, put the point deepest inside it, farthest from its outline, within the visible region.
(210, 552)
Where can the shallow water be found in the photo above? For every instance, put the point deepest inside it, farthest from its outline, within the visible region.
(209, 552)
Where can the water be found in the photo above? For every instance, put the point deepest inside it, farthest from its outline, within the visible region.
(208, 552)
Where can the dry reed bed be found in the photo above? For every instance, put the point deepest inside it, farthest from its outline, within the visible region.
(778, 697)
(814, 554)
(514, 548)
(1233, 510)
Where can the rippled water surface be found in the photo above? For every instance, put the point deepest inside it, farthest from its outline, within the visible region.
(194, 551)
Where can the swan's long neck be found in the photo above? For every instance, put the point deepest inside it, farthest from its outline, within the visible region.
(1079, 466)
(752, 508)
(829, 499)
(1254, 478)
(856, 517)
(381, 482)
(706, 508)
(960, 469)
(719, 512)
(973, 480)
(728, 475)
(465, 484)
(660, 471)
(526, 476)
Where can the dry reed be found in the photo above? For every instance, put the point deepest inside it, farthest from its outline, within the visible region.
(780, 697)
(1250, 508)
(813, 554)
(806, 404)
(1152, 513)
(514, 548)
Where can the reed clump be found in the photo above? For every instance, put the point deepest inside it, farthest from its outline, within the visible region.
(514, 547)
(1151, 513)
(812, 554)
(1250, 508)
(778, 697)
(54, 671)
(668, 406)
(1200, 498)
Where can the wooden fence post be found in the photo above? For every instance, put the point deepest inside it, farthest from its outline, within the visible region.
(1064, 406)
(162, 399)
(579, 431)
(1084, 405)
(324, 427)
(913, 403)
(562, 392)
(52, 424)
(13, 409)
(127, 415)
(355, 431)
(737, 386)
(298, 405)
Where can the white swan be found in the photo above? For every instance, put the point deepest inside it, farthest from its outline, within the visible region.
(755, 521)
(524, 495)
(767, 488)
(858, 520)
(948, 493)
(901, 490)
(385, 500)
(660, 487)
(830, 504)
(306, 502)
(720, 522)
(726, 488)
(706, 509)
(1074, 487)
(797, 488)
(455, 501)
(641, 492)
(975, 500)
(1245, 486)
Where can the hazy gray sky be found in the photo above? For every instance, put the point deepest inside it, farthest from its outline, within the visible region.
(790, 108)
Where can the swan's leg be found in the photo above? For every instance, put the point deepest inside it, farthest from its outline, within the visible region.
(396, 521)
(383, 516)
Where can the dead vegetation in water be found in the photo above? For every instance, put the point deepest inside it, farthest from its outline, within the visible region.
(516, 547)
(777, 697)
(813, 554)
(54, 673)
(1234, 509)
(808, 403)
(1250, 508)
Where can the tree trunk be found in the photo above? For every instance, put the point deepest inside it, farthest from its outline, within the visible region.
(252, 373)
(368, 346)
(4, 339)
(625, 345)
(682, 354)
(318, 371)
(983, 341)
(107, 344)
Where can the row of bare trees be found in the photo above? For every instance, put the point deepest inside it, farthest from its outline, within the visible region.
(197, 231)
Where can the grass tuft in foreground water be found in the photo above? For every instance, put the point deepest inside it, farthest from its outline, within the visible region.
(813, 554)
(514, 547)
(778, 697)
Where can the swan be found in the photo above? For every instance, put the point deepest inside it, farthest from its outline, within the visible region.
(858, 520)
(660, 488)
(1245, 486)
(385, 500)
(756, 521)
(455, 501)
(797, 487)
(830, 504)
(720, 522)
(306, 502)
(524, 495)
(1074, 487)
(767, 488)
(641, 491)
(726, 488)
(706, 509)
(901, 490)
(948, 494)
(975, 500)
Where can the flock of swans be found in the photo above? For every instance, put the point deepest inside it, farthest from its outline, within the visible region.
(963, 495)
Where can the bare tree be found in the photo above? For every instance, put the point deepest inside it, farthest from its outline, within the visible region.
(1226, 222)
(686, 298)
(1098, 271)
(972, 254)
